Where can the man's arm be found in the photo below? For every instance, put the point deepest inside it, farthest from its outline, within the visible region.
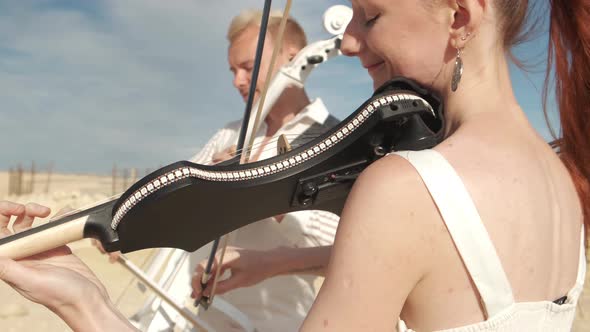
(313, 260)
(249, 267)
(222, 140)
(319, 227)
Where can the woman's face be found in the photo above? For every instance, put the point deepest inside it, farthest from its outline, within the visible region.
(407, 38)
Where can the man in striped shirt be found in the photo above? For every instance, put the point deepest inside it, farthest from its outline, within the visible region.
(272, 302)
(274, 262)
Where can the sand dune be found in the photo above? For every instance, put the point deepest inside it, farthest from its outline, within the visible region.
(76, 191)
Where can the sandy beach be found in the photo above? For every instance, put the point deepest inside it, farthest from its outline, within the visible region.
(76, 191)
(70, 191)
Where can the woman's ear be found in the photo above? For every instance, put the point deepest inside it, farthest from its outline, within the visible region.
(467, 18)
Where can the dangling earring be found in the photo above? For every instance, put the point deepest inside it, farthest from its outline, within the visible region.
(457, 72)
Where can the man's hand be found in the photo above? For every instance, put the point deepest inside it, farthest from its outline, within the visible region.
(224, 155)
(248, 267)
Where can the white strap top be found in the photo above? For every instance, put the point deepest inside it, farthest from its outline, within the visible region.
(470, 236)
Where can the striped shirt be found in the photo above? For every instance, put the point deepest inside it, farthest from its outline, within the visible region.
(282, 302)
(318, 227)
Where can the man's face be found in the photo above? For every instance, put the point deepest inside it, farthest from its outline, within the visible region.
(241, 55)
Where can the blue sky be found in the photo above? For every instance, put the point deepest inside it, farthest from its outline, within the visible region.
(143, 83)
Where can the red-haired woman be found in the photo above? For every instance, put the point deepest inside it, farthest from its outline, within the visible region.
(482, 233)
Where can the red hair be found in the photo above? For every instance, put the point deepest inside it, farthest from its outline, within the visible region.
(569, 50)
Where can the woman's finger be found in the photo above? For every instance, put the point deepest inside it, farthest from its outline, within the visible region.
(32, 211)
(10, 271)
(59, 251)
(7, 210)
(98, 245)
(114, 256)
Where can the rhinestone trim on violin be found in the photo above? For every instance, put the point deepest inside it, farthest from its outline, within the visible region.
(258, 172)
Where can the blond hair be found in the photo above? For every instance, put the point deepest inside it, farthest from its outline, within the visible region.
(294, 34)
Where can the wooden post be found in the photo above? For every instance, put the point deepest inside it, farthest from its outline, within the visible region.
(125, 176)
(114, 179)
(31, 187)
(10, 181)
(133, 176)
(19, 180)
(49, 171)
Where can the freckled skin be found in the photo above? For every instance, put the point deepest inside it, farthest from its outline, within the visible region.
(392, 241)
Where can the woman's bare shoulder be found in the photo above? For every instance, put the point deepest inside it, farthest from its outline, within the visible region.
(392, 180)
(382, 250)
(390, 201)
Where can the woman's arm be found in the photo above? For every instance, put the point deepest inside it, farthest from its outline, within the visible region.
(94, 314)
(57, 279)
(379, 254)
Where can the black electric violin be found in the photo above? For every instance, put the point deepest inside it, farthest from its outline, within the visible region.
(186, 205)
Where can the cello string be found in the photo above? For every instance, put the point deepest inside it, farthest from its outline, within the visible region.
(270, 146)
(205, 300)
(246, 157)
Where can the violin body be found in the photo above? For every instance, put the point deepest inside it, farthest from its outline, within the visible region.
(201, 203)
(186, 205)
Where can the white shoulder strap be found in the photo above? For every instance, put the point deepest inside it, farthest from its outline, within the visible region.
(465, 227)
(575, 292)
(582, 260)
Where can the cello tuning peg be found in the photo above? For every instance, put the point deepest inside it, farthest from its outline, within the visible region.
(315, 59)
(336, 18)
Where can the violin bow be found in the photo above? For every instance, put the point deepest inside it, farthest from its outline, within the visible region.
(205, 301)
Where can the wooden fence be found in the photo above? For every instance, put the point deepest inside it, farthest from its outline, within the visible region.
(123, 178)
(22, 181)
(34, 179)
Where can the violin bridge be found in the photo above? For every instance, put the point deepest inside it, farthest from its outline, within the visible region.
(283, 145)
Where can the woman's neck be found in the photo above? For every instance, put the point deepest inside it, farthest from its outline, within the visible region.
(484, 88)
